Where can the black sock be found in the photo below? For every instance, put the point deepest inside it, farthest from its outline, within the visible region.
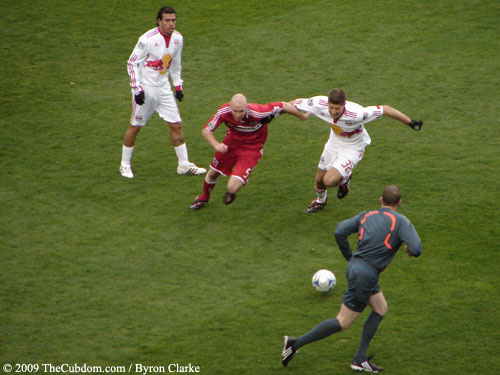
(321, 331)
(369, 329)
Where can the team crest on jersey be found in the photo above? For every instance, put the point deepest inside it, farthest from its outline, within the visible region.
(176, 41)
(140, 45)
(310, 102)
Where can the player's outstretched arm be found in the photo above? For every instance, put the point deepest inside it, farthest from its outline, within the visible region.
(397, 115)
(288, 107)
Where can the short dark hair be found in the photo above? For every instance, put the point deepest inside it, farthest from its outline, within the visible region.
(337, 96)
(391, 195)
(164, 10)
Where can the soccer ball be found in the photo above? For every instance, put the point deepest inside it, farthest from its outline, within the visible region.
(323, 281)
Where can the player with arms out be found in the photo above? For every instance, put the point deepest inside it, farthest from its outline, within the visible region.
(348, 138)
(240, 151)
(381, 233)
(157, 56)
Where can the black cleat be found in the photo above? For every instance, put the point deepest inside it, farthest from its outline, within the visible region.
(344, 188)
(315, 206)
(365, 365)
(198, 204)
(229, 198)
(288, 351)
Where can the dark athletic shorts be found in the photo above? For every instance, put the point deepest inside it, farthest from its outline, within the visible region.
(362, 283)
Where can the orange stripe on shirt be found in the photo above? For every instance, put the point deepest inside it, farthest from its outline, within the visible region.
(386, 242)
(368, 214)
(393, 219)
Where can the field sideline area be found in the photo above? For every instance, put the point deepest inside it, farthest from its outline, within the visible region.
(105, 271)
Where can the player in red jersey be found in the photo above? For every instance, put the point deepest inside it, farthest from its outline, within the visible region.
(242, 148)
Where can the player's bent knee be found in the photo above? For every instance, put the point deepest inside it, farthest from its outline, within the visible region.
(331, 181)
(134, 128)
(381, 311)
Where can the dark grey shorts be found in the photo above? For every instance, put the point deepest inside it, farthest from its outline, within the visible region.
(362, 283)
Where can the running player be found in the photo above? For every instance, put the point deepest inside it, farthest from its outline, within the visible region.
(240, 151)
(156, 56)
(381, 233)
(348, 138)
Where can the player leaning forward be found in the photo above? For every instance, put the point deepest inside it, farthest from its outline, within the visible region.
(240, 151)
(381, 233)
(348, 139)
(156, 56)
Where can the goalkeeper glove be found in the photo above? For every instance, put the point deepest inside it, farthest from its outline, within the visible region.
(179, 95)
(416, 124)
(139, 97)
(267, 120)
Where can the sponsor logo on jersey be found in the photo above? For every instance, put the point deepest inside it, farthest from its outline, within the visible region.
(351, 133)
(342, 133)
(161, 65)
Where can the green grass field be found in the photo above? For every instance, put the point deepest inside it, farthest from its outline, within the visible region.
(100, 270)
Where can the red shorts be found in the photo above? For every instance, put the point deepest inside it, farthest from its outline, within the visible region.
(238, 162)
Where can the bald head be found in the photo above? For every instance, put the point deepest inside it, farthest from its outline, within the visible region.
(238, 106)
(391, 196)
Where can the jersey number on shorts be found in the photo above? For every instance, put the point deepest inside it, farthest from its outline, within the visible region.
(247, 173)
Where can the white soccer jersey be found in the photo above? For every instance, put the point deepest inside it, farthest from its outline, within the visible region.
(155, 57)
(348, 130)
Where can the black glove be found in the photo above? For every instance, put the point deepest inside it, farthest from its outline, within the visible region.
(179, 95)
(139, 97)
(415, 124)
(267, 120)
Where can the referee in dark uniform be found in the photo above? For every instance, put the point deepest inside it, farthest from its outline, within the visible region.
(381, 233)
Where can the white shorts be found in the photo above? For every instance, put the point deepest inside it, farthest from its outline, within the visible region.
(157, 99)
(343, 159)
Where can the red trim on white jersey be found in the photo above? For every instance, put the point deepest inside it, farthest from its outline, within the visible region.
(153, 32)
(350, 114)
(133, 79)
(167, 38)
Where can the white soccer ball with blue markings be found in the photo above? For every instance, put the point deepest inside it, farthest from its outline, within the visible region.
(324, 281)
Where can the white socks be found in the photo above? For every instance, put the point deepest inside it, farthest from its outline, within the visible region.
(182, 155)
(127, 154)
(322, 194)
(181, 151)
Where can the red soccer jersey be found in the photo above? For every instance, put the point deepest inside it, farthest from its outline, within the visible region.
(249, 131)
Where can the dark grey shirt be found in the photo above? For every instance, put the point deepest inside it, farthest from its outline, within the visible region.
(381, 233)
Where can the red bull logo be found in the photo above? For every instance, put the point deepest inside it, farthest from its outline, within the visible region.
(161, 65)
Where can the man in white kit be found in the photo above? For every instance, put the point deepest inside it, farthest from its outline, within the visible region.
(348, 139)
(156, 56)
